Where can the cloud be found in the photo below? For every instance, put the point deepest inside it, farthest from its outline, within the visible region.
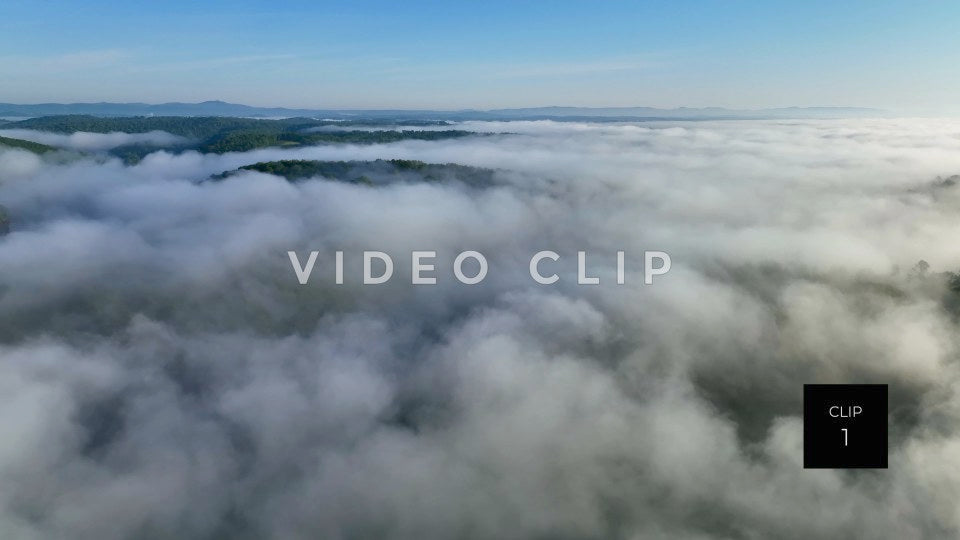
(82, 140)
(18, 163)
(164, 375)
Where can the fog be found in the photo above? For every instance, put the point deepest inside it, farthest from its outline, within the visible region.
(82, 140)
(164, 375)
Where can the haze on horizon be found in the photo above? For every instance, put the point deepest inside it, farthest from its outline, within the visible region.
(894, 56)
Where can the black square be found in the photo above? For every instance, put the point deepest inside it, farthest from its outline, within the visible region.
(844, 426)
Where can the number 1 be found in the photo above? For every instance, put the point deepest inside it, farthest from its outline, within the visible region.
(844, 430)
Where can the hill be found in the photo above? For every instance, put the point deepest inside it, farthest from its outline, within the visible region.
(214, 134)
(373, 173)
(30, 146)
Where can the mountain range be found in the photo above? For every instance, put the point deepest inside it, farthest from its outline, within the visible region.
(220, 108)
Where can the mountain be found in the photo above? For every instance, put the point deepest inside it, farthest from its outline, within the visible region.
(220, 108)
(207, 108)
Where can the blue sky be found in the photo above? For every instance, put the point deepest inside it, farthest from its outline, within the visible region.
(449, 55)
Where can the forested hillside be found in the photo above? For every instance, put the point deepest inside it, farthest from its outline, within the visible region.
(30, 146)
(222, 134)
(376, 172)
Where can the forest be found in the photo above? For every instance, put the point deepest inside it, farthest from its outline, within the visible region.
(216, 134)
(377, 172)
(29, 146)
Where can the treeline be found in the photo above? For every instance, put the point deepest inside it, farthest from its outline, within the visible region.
(243, 141)
(378, 172)
(185, 126)
(223, 134)
(191, 127)
(30, 146)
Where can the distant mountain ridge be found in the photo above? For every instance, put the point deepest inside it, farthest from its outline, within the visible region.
(220, 108)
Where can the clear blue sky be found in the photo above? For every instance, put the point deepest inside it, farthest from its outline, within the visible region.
(903, 56)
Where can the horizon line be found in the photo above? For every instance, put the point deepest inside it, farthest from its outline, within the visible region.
(468, 109)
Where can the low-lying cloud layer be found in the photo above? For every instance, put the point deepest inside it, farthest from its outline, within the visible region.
(163, 374)
(93, 141)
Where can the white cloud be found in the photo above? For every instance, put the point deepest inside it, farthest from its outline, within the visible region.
(170, 375)
(93, 141)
